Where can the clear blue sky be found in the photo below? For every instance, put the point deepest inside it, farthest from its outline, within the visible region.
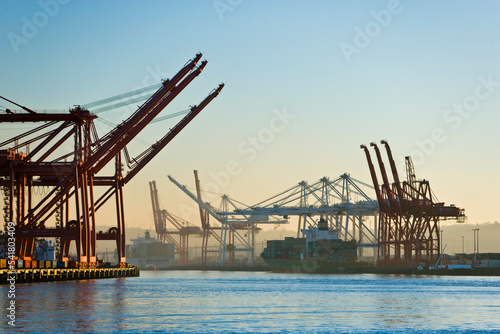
(423, 75)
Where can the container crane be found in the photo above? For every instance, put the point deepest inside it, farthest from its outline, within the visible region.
(205, 224)
(73, 175)
(183, 228)
(228, 229)
(409, 215)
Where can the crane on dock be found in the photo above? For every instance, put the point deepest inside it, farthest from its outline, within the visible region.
(342, 201)
(205, 224)
(67, 155)
(230, 240)
(182, 227)
(409, 214)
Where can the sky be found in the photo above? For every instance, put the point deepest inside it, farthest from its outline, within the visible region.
(306, 82)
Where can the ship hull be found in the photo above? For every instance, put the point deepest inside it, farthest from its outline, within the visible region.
(159, 264)
(313, 266)
(317, 256)
(146, 252)
(317, 267)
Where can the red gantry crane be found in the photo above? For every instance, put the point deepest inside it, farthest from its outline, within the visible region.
(66, 154)
(183, 228)
(408, 231)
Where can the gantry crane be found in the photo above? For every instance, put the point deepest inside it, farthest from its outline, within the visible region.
(341, 201)
(66, 154)
(182, 227)
(229, 226)
(205, 224)
(409, 215)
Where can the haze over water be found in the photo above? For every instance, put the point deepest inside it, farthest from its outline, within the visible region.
(193, 301)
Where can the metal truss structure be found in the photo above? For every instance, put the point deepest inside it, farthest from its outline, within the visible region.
(342, 202)
(208, 230)
(67, 155)
(409, 215)
(181, 227)
(231, 221)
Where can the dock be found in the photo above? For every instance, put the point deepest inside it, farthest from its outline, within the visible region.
(36, 275)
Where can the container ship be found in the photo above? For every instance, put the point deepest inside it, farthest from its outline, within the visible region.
(321, 251)
(150, 254)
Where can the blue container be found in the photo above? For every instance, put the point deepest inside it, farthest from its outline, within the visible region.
(62, 264)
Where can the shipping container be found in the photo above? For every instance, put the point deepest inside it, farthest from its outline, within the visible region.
(72, 264)
(62, 264)
(459, 266)
(494, 264)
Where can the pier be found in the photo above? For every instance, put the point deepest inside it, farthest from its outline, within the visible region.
(35, 275)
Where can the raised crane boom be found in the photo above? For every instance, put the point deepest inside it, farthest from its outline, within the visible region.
(409, 226)
(158, 146)
(71, 201)
(203, 212)
(123, 134)
(226, 224)
(206, 207)
(386, 185)
(184, 229)
(381, 202)
(394, 170)
(159, 222)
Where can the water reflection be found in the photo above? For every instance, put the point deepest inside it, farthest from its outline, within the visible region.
(116, 309)
(258, 302)
(56, 305)
(82, 305)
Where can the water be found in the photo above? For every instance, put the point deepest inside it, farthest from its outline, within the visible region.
(204, 302)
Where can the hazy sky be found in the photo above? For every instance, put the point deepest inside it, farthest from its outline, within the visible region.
(307, 82)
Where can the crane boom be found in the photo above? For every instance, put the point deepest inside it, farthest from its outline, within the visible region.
(194, 198)
(150, 153)
(394, 170)
(158, 146)
(150, 109)
(381, 202)
(203, 213)
(159, 226)
(386, 185)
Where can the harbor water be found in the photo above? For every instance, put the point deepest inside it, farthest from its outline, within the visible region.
(241, 302)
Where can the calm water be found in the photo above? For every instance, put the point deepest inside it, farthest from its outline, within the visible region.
(184, 301)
